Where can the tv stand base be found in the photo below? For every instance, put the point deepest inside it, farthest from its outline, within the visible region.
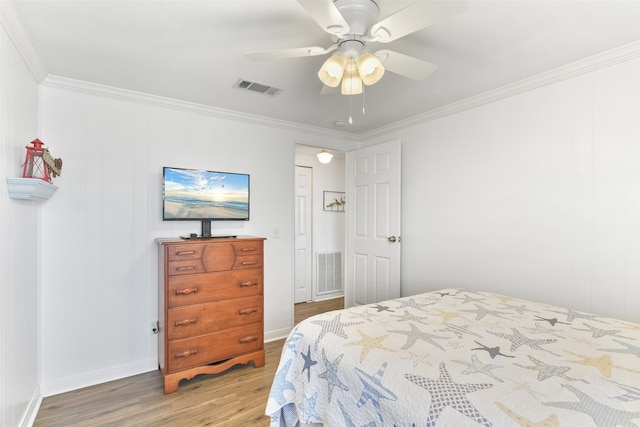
(216, 236)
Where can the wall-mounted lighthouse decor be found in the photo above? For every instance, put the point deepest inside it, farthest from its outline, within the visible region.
(39, 163)
(38, 169)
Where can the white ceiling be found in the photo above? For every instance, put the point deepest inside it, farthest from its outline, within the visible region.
(193, 51)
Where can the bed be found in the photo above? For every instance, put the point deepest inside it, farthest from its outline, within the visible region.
(458, 358)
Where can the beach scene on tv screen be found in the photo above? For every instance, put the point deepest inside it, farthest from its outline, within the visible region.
(202, 194)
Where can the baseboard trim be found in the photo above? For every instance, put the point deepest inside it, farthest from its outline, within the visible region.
(87, 379)
(30, 414)
(327, 297)
(277, 334)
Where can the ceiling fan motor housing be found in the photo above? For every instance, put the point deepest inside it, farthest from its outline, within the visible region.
(359, 14)
(351, 48)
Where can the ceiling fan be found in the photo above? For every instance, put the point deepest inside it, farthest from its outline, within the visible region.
(353, 24)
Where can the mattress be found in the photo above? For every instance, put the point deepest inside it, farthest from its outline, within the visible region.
(458, 358)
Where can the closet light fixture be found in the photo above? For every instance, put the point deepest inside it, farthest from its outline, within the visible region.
(324, 156)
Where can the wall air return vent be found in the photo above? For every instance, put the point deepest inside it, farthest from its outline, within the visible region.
(250, 86)
(329, 273)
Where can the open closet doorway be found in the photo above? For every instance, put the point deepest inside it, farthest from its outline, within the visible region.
(320, 226)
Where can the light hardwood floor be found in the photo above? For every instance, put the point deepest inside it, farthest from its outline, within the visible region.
(303, 310)
(234, 398)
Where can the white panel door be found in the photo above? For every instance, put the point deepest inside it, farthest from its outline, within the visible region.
(303, 249)
(374, 224)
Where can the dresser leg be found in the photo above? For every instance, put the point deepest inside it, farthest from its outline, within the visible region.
(258, 360)
(171, 383)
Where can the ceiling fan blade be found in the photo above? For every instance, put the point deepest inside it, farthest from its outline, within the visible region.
(298, 52)
(326, 14)
(415, 17)
(405, 65)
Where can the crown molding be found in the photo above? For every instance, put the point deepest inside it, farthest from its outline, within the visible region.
(14, 27)
(97, 89)
(12, 23)
(565, 72)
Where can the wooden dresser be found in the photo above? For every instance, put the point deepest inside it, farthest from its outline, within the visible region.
(210, 306)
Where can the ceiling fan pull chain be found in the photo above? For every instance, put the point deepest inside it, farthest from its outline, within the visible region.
(363, 90)
(350, 105)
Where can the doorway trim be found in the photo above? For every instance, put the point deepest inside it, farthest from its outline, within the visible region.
(303, 283)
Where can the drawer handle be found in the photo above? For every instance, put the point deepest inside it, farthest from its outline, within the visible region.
(248, 250)
(186, 322)
(186, 291)
(186, 353)
(188, 267)
(248, 310)
(180, 253)
(248, 339)
(249, 262)
(248, 283)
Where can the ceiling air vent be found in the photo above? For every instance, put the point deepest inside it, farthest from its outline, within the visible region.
(243, 84)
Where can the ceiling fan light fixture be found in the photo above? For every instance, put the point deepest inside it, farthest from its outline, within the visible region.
(370, 68)
(332, 70)
(324, 156)
(351, 81)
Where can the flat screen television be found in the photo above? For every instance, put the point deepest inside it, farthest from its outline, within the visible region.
(202, 195)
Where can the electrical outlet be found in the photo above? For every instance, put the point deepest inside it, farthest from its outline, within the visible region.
(155, 328)
(276, 233)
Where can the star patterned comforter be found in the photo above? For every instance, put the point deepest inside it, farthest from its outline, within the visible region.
(458, 358)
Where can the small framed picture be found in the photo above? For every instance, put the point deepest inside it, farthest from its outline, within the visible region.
(333, 201)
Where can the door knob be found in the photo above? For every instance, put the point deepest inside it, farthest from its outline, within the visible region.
(391, 239)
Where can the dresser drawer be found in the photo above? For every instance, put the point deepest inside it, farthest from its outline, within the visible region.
(247, 261)
(206, 349)
(209, 287)
(200, 319)
(252, 247)
(181, 252)
(185, 266)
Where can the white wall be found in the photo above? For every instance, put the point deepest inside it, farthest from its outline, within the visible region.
(537, 195)
(19, 252)
(99, 269)
(329, 228)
